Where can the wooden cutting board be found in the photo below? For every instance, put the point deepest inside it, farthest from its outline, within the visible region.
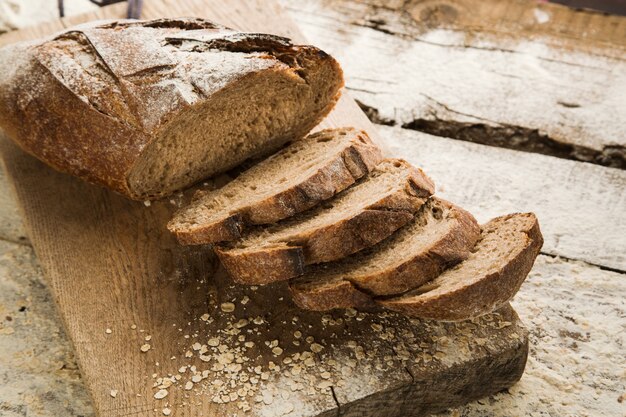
(148, 317)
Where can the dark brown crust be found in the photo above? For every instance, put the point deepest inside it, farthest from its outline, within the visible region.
(483, 295)
(332, 242)
(101, 142)
(337, 174)
(416, 269)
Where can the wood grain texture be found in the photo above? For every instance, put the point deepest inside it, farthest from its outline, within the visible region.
(111, 265)
(536, 77)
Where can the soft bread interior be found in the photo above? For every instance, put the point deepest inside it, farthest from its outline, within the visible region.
(252, 117)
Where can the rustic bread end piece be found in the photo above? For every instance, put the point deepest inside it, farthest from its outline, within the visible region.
(150, 107)
(359, 217)
(293, 180)
(489, 278)
(440, 235)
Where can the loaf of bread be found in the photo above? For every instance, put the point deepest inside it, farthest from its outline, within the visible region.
(150, 107)
(357, 218)
(294, 179)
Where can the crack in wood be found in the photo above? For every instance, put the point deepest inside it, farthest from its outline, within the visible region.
(379, 25)
(375, 16)
(373, 114)
(22, 242)
(332, 391)
(508, 136)
(601, 267)
(408, 371)
(521, 139)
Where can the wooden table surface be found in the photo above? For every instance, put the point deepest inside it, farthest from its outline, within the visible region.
(543, 81)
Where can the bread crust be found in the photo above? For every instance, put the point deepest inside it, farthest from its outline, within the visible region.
(90, 100)
(337, 173)
(329, 242)
(480, 296)
(415, 270)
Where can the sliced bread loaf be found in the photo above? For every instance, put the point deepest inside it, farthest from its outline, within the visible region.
(150, 107)
(490, 277)
(358, 217)
(440, 235)
(291, 181)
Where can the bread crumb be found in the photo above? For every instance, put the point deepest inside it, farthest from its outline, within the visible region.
(108, 331)
(147, 203)
(133, 326)
(148, 338)
(113, 393)
(167, 411)
(324, 385)
(145, 347)
(268, 398)
(189, 385)
(277, 351)
(160, 394)
(316, 347)
(227, 307)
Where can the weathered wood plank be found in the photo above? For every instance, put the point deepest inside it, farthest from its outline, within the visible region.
(111, 264)
(581, 207)
(436, 67)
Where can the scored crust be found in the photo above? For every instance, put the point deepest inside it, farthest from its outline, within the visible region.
(485, 281)
(127, 104)
(357, 218)
(440, 235)
(279, 186)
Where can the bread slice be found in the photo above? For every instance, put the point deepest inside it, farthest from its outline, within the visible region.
(490, 277)
(359, 217)
(150, 107)
(291, 181)
(440, 235)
